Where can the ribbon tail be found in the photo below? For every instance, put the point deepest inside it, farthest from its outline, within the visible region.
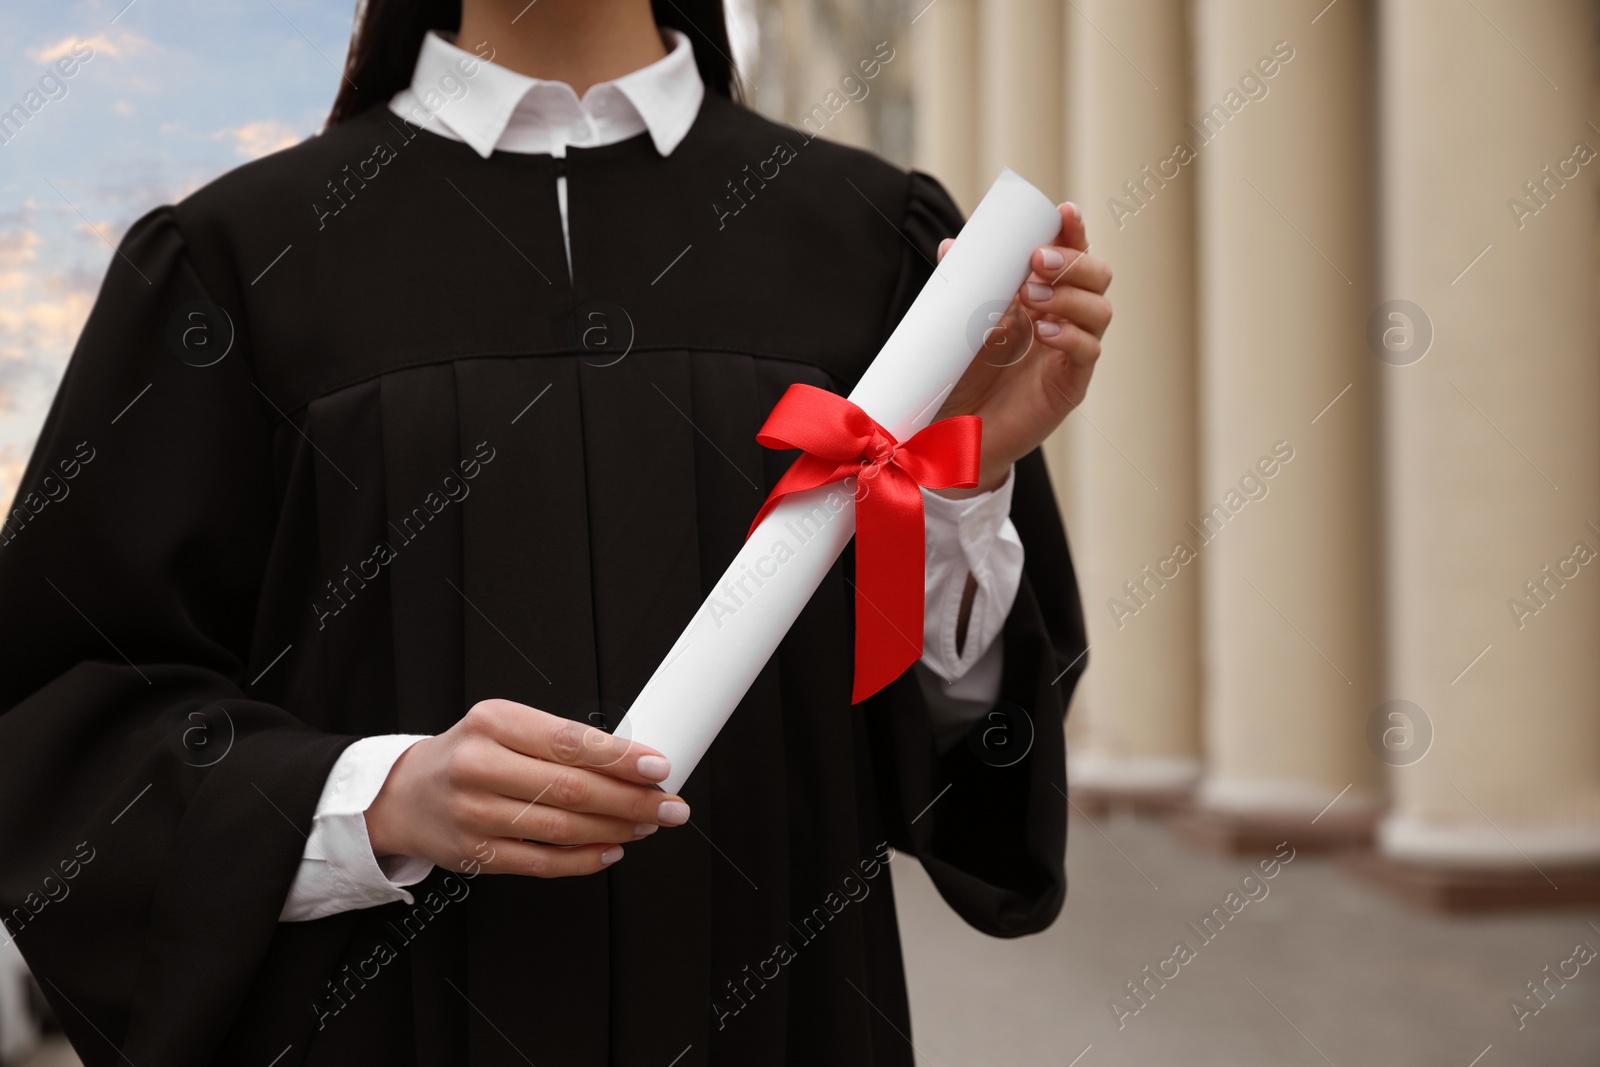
(890, 580)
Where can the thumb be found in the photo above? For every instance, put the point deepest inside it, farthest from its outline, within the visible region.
(944, 246)
(1073, 234)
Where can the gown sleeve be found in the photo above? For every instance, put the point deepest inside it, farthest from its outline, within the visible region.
(149, 807)
(987, 817)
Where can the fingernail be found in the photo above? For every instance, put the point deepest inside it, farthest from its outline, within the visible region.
(611, 855)
(1074, 207)
(1051, 259)
(645, 829)
(1037, 292)
(673, 813)
(1048, 328)
(654, 768)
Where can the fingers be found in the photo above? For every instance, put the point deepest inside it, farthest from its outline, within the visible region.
(490, 815)
(1059, 265)
(574, 744)
(550, 861)
(1081, 347)
(944, 246)
(494, 769)
(1086, 310)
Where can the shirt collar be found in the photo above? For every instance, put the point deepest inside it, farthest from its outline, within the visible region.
(477, 101)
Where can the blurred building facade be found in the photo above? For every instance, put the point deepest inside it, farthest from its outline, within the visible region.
(1335, 494)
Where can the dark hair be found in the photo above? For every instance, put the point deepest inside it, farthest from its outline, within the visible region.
(388, 35)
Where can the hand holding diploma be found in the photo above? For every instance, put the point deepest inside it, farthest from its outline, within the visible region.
(515, 790)
(1036, 362)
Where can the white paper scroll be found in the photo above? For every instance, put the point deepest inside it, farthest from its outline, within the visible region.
(737, 629)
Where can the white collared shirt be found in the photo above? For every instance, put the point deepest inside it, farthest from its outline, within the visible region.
(459, 95)
(493, 108)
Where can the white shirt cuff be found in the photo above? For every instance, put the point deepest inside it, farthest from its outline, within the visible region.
(338, 871)
(971, 536)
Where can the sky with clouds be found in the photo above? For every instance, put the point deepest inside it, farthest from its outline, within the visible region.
(174, 93)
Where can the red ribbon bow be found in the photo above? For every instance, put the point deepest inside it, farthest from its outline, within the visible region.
(839, 440)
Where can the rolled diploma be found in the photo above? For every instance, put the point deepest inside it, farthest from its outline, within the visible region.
(716, 659)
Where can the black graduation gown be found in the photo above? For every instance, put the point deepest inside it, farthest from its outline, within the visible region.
(342, 451)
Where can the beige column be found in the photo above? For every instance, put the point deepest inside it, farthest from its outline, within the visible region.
(1283, 529)
(1131, 447)
(944, 47)
(1020, 73)
(1493, 442)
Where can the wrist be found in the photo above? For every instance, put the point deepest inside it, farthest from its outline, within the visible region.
(385, 825)
(379, 834)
